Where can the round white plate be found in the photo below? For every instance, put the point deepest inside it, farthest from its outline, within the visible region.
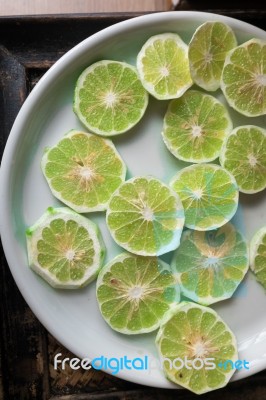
(73, 316)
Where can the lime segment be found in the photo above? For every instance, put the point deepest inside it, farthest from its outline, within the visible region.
(258, 255)
(145, 217)
(195, 126)
(244, 78)
(83, 170)
(190, 337)
(109, 98)
(163, 66)
(210, 265)
(207, 51)
(244, 155)
(209, 195)
(65, 248)
(134, 293)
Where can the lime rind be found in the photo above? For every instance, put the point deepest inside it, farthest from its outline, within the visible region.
(114, 104)
(134, 293)
(34, 236)
(163, 66)
(243, 79)
(145, 217)
(209, 266)
(207, 51)
(209, 195)
(258, 255)
(195, 126)
(243, 154)
(80, 179)
(189, 326)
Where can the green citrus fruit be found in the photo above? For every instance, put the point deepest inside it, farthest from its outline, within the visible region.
(109, 97)
(134, 293)
(194, 344)
(209, 195)
(207, 51)
(163, 66)
(65, 248)
(83, 170)
(210, 265)
(145, 217)
(244, 155)
(195, 126)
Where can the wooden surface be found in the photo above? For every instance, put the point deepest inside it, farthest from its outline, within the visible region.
(31, 7)
(28, 47)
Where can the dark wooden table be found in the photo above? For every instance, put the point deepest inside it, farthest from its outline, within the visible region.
(28, 47)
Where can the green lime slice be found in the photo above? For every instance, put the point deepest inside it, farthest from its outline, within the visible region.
(83, 171)
(243, 79)
(258, 255)
(194, 344)
(244, 155)
(195, 126)
(163, 66)
(65, 248)
(109, 97)
(209, 195)
(210, 265)
(145, 217)
(134, 293)
(207, 51)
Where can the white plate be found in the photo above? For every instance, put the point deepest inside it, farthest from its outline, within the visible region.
(73, 316)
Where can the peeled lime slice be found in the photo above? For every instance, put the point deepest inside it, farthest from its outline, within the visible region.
(244, 78)
(109, 98)
(163, 66)
(209, 195)
(210, 265)
(207, 51)
(83, 170)
(197, 337)
(258, 255)
(145, 217)
(195, 126)
(65, 248)
(244, 155)
(135, 292)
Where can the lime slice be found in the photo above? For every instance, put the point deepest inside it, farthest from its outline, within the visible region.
(197, 338)
(195, 126)
(109, 98)
(65, 248)
(135, 292)
(258, 255)
(209, 195)
(145, 217)
(163, 66)
(207, 51)
(244, 78)
(83, 170)
(210, 265)
(244, 155)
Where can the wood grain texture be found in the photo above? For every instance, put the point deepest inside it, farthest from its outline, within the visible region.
(32, 7)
